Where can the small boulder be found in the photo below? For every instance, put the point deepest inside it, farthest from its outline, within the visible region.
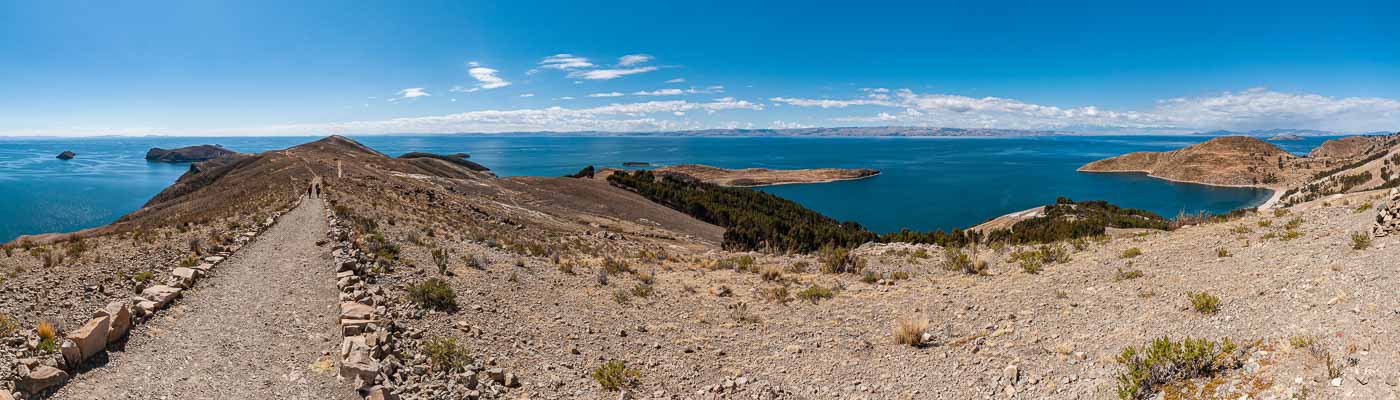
(92, 336)
(377, 393)
(72, 355)
(66, 155)
(184, 277)
(120, 313)
(353, 311)
(359, 365)
(160, 294)
(41, 378)
(146, 307)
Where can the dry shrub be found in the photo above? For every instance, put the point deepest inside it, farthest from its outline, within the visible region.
(910, 330)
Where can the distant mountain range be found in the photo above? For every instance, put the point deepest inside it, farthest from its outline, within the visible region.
(856, 131)
(1283, 132)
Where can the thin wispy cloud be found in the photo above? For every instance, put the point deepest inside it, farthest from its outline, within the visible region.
(410, 93)
(677, 80)
(607, 74)
(564, 62)
(606, 94)
(644, 116)
(634, 59)
(660, 92)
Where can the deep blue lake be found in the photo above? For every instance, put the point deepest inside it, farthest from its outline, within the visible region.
(925, 183)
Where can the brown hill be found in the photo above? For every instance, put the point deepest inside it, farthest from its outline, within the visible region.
(749, 177)
(188, 154)
(1351, 146)
(1228, 160)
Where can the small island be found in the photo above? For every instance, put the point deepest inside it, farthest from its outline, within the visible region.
(66, 155)
(749, 177)
(204, 152)
(1284, 137)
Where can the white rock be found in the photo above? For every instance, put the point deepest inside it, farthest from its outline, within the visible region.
(92, 336)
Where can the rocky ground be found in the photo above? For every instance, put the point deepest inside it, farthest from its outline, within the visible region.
(555, 281)
(708, 329)
(262, 326)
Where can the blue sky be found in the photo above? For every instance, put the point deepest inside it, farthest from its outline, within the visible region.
(316, 67)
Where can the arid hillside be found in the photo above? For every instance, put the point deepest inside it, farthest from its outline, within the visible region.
(1229, 160)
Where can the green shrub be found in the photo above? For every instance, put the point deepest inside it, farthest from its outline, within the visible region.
(1360, 240)
(1222, 252)
(615, 375)
(1149, 368)
(1204, 303)
(870, 277)
(1293, 223)
(816, 293)
(8, 326)
(642, 290)
(615, 266)
(446, 355)
(1031, 265)
(899, 275)
(1123, 275)
(954, 259)
(143, 276)
(838, 260)
(1290, 235)
(434, 294)
(189, 262)
(1131, 252)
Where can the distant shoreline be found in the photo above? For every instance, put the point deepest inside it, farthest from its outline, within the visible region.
(1275, 192)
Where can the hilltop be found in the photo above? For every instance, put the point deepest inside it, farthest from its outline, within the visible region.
(1229, 160)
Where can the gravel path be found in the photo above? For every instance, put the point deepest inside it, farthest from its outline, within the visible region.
(262, 326)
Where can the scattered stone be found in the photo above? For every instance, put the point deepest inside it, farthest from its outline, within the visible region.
(41, 378)
(66, 155)
(183, 277)
(160, 294)
(356, 311)
(92, 336)
(120, 314)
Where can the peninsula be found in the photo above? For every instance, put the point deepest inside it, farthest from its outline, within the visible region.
(750, 177)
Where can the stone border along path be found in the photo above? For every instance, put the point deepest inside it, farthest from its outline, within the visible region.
(382, 355)
(255, 329)
(110, 325)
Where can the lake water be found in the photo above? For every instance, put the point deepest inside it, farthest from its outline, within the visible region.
(925, 183)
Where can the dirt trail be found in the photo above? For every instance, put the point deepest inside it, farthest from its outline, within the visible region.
(261, 326)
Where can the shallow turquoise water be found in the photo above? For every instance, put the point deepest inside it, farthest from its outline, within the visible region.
(925, 183)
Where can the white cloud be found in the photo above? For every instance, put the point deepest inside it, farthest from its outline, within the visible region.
(677, 80)
(678, 92)
(1256, 108)
(473, 64)
(779, 124)
(565, 98)
(607, 94)
(487, 77)
(527, 95)
(410, 93)
(645, 116)
(661, 92)
(606, 74)
(565, 61)
(634, 59)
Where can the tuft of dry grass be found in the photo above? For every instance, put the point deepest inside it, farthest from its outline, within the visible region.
(910, 330)
(1131, 252)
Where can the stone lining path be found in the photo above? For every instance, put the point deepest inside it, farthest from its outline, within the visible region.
(261, 326)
